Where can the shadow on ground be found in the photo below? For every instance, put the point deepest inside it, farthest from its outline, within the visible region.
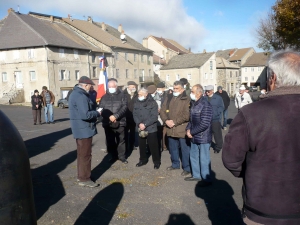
(41, 144)
(221, 207)
(48, 188)
(103, 206)
(180, 219)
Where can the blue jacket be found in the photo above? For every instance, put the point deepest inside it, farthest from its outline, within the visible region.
(218, 107)
(201, 115)
(83, 118)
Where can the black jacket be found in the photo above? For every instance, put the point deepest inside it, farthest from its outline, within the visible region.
(130, 104)
(36, 100)
(225, 97)
(146, 112)
(114, 104)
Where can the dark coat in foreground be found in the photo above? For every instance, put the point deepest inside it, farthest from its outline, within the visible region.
(265, 151)
(200, 121)
(146, 112)
(114, 104)
(82, 116)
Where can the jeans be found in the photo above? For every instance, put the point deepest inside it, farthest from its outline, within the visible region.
(84, 158)
(200, 161)
(225, 116)
(49, 109)
(180, 148)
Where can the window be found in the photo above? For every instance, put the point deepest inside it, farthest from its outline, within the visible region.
(252, 78)
(211, 76)
(93, 58)
(134, 57)
(4, 77)
(94, 71)
(206, 76)
(65, 75)
(167, 77)
(230, 74)
(177, 77)
(116, 56)
(189, 76)
(117, 73)
(77, 74)
(30, 53)
(245, 69)
(142, 58)
(211, 65)
(150, 75)
(2, 56)
(76, 54)
(246, 78)
(32, 75)
(61, 74)
(148, 59)
(258, 68)
(252, 69)
(16, 54)
(126, 56)
(135, 73)
(126, 73)
(61, 53)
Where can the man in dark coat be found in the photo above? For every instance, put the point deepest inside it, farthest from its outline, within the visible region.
(226, 100)
(131, 134)
(199, 130)
(93, 96)
(83, 124)
(163, 93)
(145, 115)
(218, 108)
(264, 149)
(114, 106)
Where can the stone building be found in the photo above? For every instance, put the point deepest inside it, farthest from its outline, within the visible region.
(196, 68)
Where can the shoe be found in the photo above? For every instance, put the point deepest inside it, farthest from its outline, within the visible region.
(156, 166)
(225, 128)
(124, 161)
(185, 173)
(89, 183)
(113, 160)
(53, 122)
(135, 148)
(47, 122)
(172, 168)
(192, 179)
(141, 164)
(203, 183)
(34, 124)
(217, 151)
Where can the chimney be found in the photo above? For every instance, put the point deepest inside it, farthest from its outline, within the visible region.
(145, 42)
(204, 51)
(10, 10)
(51, 19)
(90, 19)
(103, 26)
(120, 28)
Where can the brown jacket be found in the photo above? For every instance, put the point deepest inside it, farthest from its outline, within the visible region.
(179, 112)
(44, 97)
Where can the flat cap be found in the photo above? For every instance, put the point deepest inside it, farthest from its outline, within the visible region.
(151, 89)
(86, 80)
(209, 87)
(184, 81)
(242, 87)
(161, 85)
(131, 83)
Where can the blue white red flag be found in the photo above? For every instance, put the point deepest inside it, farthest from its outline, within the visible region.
(102, 85)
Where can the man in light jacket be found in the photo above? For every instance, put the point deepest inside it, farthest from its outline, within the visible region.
(242, 98)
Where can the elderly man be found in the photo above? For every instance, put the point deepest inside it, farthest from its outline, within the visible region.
(199, 130)
(48, 101)
(131, 134)
(264, 149)
(186, 85)
(175, 113)
(114, 106)
(145, 115)
(226, 100)
(242, 98)
(83, 118)
(218, 108)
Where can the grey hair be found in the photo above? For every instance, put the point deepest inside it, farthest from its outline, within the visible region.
(176, 83)
(199, 88)
(144, 90)
(286, 65)
(113, 81)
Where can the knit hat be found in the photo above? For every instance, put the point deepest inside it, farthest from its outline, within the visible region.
(151, 89)
(220, 88)
(86, 80)
(131, 83)
(184, 81)
(161, 85)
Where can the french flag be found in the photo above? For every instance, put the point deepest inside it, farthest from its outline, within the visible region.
(102, 78)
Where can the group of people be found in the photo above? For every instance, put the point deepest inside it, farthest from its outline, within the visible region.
(153, 119)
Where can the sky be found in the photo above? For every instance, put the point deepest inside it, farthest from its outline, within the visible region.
(197, 24)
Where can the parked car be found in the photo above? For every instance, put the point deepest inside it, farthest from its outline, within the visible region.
(62, 103)
(253, 88)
